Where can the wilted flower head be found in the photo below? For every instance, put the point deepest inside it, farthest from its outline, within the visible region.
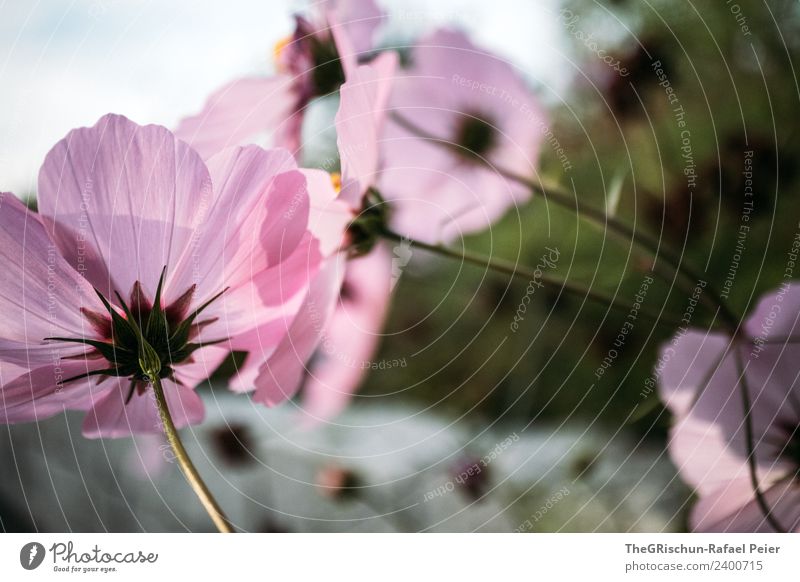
(702, 378)
(476, 110)
(144, 261)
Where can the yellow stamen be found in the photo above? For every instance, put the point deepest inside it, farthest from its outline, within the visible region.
(336, 180)
(280, 46)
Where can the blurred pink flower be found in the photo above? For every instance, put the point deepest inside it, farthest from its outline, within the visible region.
(149, 456)
(278, 350)
(313, 62)
(347, 304)
(133, 226)
(701, 376)
(351, 336)
(360, 122)
(467, 97)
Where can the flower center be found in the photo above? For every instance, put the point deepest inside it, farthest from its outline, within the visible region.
(148, 339)
(365, 230)
(476, 135)
(328, 74)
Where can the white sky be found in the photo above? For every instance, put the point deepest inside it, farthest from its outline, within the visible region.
(63, 64)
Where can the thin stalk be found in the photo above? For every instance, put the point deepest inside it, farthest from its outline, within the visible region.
(625, 232)
(190, 472)
(600, 217)
(750, 446)
(514, 270)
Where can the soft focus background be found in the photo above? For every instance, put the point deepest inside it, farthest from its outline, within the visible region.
(557, 449)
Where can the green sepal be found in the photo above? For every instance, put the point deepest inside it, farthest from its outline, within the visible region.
(108, 350)
(104, 372)
(156, 327)
(181, 334)
(122, 331)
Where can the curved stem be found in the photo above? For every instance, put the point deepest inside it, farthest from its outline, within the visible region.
(564, 199)
(624, 231)
(188, 468)
(509, 268)
(750, 446)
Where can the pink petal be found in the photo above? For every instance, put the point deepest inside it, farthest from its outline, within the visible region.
(457, 204)
(329, 216)
(111, 417)
(259, 343)
(359, 121)
(348, 56)
(240, 111)
(359, 19)
(276, 286)
(270, 294)
(123, 201)
(708, 441)
(287, 217)
(266, 286)
(262, 190)
(352, 336)
(773, 381)
(700, 381)
(777, 315)
(283, 288)
(684, 364)
(279, 378)
(733, 508)
(44, 392)
(254, 240)
(702, 453)
(272, 297)
(244, 180)
(703, 379)
(40, 294)
(204, 362)
(450, 80)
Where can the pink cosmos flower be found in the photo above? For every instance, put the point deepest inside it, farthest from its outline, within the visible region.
(701, 379)
(313, 62)
(348, 301)
(140, 242)
(479, 104)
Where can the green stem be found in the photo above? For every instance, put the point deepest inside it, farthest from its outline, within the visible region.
(188, 468)
(555, 194)
(514, 270)
(711, 298)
